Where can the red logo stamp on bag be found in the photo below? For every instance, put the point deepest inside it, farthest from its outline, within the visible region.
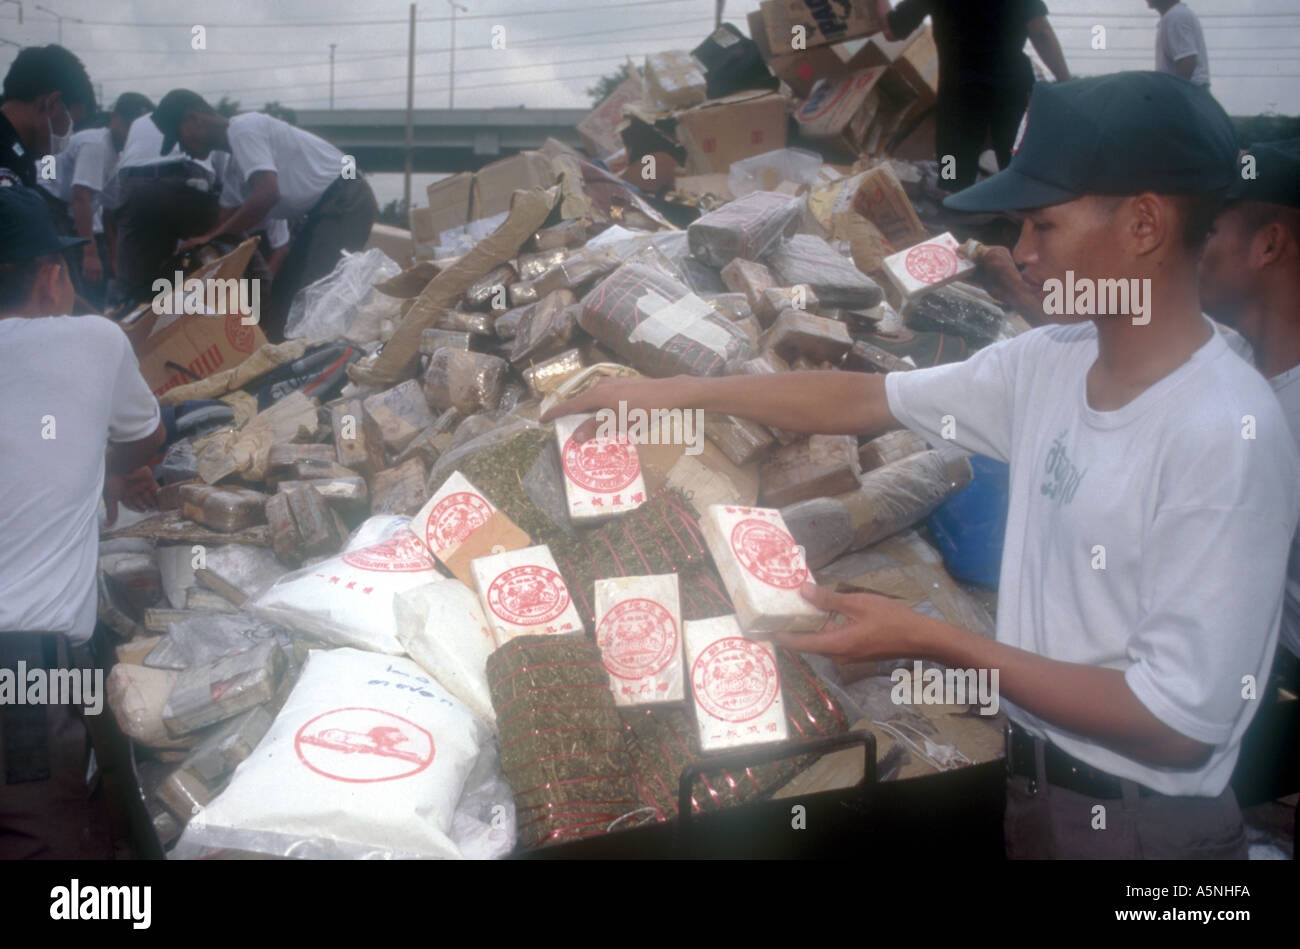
(401, 553)
(601, 465)
(735, 679)
(930, 263)
(240, 336)
(769, 553)
(637, 638)
(528, 595)
(363, 745)
(455, 517)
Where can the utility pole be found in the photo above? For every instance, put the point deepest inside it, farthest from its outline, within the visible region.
(60, 17)
(410, 110)
(19, 5)
(332, 45)
(451, 88)
(717, 12)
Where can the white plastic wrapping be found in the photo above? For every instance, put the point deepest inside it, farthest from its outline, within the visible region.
(442, 627)
(327, 308)
(367, 759)
(348, 600)
(766, 171)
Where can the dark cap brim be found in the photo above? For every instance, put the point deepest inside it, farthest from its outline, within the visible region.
(1008, 190)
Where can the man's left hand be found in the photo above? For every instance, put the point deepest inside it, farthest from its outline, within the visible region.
(137, 490)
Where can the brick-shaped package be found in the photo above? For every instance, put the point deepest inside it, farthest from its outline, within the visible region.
(927, 266)
(638, 630)
(455, 511)
(735, 686)
(602, 476)
(523, 594)
(762, 569)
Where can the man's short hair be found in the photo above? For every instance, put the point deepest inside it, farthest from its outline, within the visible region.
(1196, 214)
(131, 105)
(1256, 215)
(40, 70)
(18, 279)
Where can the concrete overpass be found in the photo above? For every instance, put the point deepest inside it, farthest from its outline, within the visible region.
(445, 140)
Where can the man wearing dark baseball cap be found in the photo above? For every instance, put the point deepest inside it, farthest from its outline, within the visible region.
(1146, 470)
(282, 172)
(1250, 279)
(70, 386)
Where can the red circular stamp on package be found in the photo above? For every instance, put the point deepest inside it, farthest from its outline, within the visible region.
(930, 263)
(240, 335)
(769, 553)
(455, 517)
(637, 638)
(401, 553)
(363, 745)
(601, 465)
(735, 679)
(528, 596)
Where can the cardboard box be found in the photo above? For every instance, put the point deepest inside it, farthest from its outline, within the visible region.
(918, 66)
(471, 196)
(523, 594)
(800, 69)
(762, 569)
(449, 206)
(880, 198)
(724, 131)
(599, 130)
(839, 111)
(824, 21)
(674, 79)
(638, 630)
(735, 686)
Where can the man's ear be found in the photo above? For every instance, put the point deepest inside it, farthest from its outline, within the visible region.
(1268, 246)
(45, 292)
(1150, 222)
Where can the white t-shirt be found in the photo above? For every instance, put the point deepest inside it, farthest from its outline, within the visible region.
(75, 378)
(1194, 520)
(1287, 388)
(1178, 35)
(304, 164)
(234, 192)
(143, 148)
(90, 160)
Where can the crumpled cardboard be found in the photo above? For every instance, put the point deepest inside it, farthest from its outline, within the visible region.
(528, 210)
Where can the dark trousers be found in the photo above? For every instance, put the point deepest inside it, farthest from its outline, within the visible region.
(1045, 822)
(1269, 764)
(47, 810)
(968, 114)
(156, 213)
(341, 220)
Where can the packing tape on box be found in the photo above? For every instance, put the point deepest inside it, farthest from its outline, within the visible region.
(686, 317)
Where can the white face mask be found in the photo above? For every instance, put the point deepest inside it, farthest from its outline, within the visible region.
(59, 143)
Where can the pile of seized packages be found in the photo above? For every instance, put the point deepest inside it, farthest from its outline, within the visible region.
(382, 611)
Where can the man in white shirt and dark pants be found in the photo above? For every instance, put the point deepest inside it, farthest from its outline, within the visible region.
(288, 173)
(1153, 487)
(84, 182)
(1250, 278)
(162, 198)
(1180, 44)
(70, 386)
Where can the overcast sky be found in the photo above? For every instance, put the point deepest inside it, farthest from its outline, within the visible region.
(554, 50)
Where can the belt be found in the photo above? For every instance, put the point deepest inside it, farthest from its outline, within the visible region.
(169, 170)
(1063, 770)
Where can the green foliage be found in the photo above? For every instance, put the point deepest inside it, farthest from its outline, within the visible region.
(1268, 127)
(607, 84)
(394, 213)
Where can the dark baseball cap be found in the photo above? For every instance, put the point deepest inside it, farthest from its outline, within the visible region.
(172, 109)
(26, 227)
(1119, 134)
(1275, 174)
